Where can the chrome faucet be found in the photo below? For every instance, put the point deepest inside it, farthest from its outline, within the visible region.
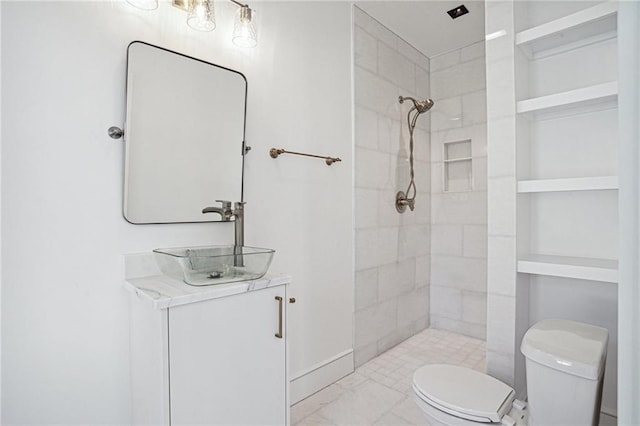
(235, 214)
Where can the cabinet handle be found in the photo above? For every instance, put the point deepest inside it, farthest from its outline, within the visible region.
(279, 333)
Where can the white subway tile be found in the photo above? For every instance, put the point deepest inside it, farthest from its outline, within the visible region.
(423, 83)
(446, 239)
(501, 366)
(366, 326)
(366, 249)
(396, 278)
(390, 135)
(477, 331)
(502, 209)
(444, 60)
(413, 241)
(366, 288)
(474, 307)
(457, 80)
(480, 173)
(410, 52)
(366, 128)
(445, 302)
(475, 241)
(375, 28)
(421, 145)
(364, 353)
(422, 178)
(396, 68)
(422, 211)
(501, 323)
(423, 269)
(413, 306)
(500, 89)
(386, 209)
(387, 243)
(366, 208)
(473, 51)
(502, 260)
(460, 207)
(458, 272)
(375, 93)
(474, 108)
(436, 178)
(447, 115)
(365, 50)
(371, 169)
(502, 149)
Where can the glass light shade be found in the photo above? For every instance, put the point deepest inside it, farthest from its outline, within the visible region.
(244, 29)
(201, 15)
(144, 4)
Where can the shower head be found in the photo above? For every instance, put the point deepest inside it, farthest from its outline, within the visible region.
(420, 106)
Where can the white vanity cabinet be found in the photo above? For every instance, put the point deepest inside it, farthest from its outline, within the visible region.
(216, 362)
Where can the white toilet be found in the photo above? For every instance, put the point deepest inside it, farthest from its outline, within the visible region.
(565, 367)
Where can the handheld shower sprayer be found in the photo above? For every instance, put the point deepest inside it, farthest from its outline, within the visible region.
(419, 107)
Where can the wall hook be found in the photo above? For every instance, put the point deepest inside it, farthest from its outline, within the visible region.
(115, 132)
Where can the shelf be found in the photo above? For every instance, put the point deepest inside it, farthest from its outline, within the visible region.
(604, 270)
(573, 184)
(592, 24)
(588, 98)
(453, 160)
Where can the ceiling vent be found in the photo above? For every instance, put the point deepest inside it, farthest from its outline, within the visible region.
(457, 12)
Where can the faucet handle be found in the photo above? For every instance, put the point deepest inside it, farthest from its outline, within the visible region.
(226, 205)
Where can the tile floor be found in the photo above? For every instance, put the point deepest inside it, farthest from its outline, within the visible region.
(379, 392)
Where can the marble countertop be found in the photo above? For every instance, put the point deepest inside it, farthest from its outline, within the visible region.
(144, 279)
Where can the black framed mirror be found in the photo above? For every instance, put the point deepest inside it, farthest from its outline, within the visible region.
(184, 136)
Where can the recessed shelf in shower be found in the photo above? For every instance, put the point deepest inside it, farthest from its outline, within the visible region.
(457, 166)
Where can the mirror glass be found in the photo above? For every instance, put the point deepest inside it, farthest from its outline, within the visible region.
(184, 136)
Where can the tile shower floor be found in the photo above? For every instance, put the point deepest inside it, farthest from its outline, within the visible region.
(379, 392)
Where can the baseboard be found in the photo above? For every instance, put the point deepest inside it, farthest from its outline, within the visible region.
(320, 376)
(609, 411)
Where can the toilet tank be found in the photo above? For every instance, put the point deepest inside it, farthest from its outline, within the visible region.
(565, 366)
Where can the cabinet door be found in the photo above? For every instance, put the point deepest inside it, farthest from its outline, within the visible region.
(226, 364)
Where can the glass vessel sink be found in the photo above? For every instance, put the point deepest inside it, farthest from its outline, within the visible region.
(214, 264)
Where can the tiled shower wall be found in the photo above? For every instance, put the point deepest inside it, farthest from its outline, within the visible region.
(459, 219)
(392, 249)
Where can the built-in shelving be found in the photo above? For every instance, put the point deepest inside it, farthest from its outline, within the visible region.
(582, 27)
(571, 184)
(586, 97)
(605, 270)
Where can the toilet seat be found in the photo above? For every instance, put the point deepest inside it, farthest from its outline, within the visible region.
(463, 393)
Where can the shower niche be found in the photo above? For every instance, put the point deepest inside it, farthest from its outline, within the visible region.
(458, 166)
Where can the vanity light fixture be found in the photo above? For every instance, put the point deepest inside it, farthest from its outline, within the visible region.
(144, 4)
(201, 17)
(244, 28)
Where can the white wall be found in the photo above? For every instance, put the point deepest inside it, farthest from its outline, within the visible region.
(392, 249)
(629, 285)
(459, 217)
(64, 316)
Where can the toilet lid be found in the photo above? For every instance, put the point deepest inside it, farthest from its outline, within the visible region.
(463, 392)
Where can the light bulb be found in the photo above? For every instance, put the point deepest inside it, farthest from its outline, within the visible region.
(201, 15)
(244, 28)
